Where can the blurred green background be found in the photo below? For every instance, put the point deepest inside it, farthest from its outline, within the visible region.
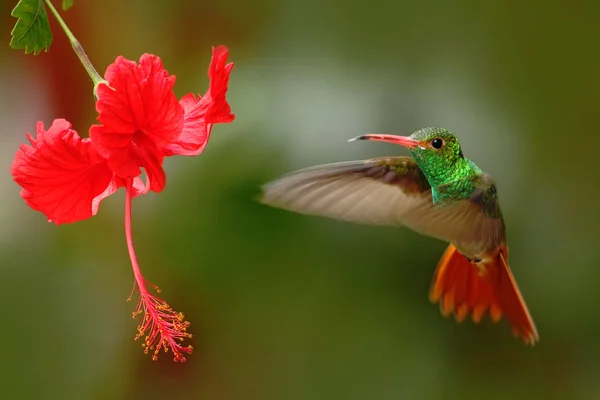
(289, 307)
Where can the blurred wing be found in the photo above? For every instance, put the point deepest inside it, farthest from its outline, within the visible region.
(381, 191)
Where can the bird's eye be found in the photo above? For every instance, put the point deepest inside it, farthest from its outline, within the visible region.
(437, 143)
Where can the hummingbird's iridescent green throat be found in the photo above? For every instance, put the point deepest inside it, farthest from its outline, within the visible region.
(438, 154)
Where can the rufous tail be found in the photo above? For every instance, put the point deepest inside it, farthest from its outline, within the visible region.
(465, 289)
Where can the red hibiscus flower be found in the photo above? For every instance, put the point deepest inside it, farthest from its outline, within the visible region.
(66, 177)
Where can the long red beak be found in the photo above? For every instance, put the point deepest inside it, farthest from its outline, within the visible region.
(401, 140)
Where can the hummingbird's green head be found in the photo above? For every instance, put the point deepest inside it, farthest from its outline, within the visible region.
(436, 151)
(435, 143)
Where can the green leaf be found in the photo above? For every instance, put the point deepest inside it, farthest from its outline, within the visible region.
(32, 30)
(66, 4)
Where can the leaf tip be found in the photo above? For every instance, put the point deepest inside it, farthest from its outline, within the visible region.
(66, 4)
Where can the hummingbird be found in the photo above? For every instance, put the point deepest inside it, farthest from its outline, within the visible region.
(436, 192)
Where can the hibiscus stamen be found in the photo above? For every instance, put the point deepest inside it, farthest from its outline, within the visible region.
(161, 327)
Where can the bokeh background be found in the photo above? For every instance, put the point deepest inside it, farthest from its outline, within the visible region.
(289, 307)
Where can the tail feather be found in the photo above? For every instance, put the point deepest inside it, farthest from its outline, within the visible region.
(463, 288)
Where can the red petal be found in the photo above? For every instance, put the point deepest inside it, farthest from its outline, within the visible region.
(195, 133)
(139, 102)
(61, 174)
(210, 109)
(142, 153)
(110, 189)
(218, 72)
(139, 188)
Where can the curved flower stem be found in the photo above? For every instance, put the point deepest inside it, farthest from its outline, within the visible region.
(137, 273)
(87, 64)
(161, 327)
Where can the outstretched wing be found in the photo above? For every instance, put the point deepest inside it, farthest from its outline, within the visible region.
(379, 191)
(383, 191)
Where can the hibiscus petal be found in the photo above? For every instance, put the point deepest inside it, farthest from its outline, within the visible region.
(128, 162)
(188, 102)
(61, 174)
(218, 72)
(195, 133)
(140, 187)
(121, 157)
(201, 114)
(110, 189)
(151, 159)
(139, 102)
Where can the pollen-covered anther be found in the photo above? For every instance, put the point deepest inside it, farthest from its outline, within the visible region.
(161, 327)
